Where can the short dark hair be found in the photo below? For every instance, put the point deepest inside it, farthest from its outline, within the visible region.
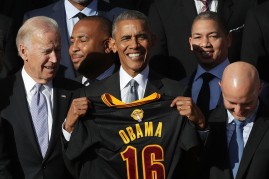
(209, 15)
(130, 15)
(106, 23)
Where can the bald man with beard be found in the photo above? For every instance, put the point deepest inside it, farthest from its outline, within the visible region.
(241, 87)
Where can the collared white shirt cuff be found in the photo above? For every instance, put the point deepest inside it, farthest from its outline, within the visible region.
(66, 134)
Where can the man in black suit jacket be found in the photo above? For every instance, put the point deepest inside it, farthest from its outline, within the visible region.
(38, 43)
(58, 12)
(132, 39)
(209, 41)
(240, 87)
(255, 44)
(171, 21)
(90, 51)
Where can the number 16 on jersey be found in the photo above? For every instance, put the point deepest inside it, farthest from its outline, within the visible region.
(152, 162)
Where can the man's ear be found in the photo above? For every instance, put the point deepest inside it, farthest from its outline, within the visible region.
(107, 46)
(112, 45)
(190, 42)
(23, 52)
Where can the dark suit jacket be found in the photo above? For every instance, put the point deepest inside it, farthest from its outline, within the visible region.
(255, 159)
(9, 59)
(155, 83)
(57, 12)
(111, 85)
(171, 20)
(79, 77)
(255, 44)
(22, 144)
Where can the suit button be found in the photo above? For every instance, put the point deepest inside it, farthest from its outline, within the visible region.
(44, 166)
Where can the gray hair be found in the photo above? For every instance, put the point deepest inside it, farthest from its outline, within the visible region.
(130, 15)
(39, 23)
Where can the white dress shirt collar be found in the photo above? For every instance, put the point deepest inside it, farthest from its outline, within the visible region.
(216, 71)
(213, 6)
(29, 82)
(250, 119)
(141, 78)
(71, 10)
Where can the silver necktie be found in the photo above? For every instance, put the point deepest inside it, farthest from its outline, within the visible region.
(132, 94)
(39, 112)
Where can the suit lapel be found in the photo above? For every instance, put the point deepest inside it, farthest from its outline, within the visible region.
(61, 99)
(188, 83)
(60, 16)
(113, 87)
(154, 84)
(22, 110)
(259, 128)
(216, 144)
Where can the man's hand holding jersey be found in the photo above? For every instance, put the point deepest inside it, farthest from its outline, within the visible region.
(78, 108)
(186, 107)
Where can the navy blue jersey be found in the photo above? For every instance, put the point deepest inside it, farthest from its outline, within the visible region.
(131, 142)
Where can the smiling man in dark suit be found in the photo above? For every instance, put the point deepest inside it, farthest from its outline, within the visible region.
(133, 40)
(65, 13)
(209, 41)
(90, 51)
(171, 21)
(233, 150)
(34, 104)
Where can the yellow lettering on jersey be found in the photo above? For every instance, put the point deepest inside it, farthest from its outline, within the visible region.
(135, 132)
(131, 133)
(158, 132)
(148, 129)
(124, 137)
(139, 132)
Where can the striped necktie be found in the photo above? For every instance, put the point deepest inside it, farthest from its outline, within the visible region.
(205, 5)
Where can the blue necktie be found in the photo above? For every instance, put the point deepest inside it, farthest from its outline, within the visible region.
(132, 94)
(236, 146)
(39, 114)
(203, 100)
(80, 15)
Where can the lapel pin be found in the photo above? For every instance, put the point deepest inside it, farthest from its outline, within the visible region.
(63, 96)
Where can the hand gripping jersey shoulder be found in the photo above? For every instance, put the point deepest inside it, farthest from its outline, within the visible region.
(140, 140)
